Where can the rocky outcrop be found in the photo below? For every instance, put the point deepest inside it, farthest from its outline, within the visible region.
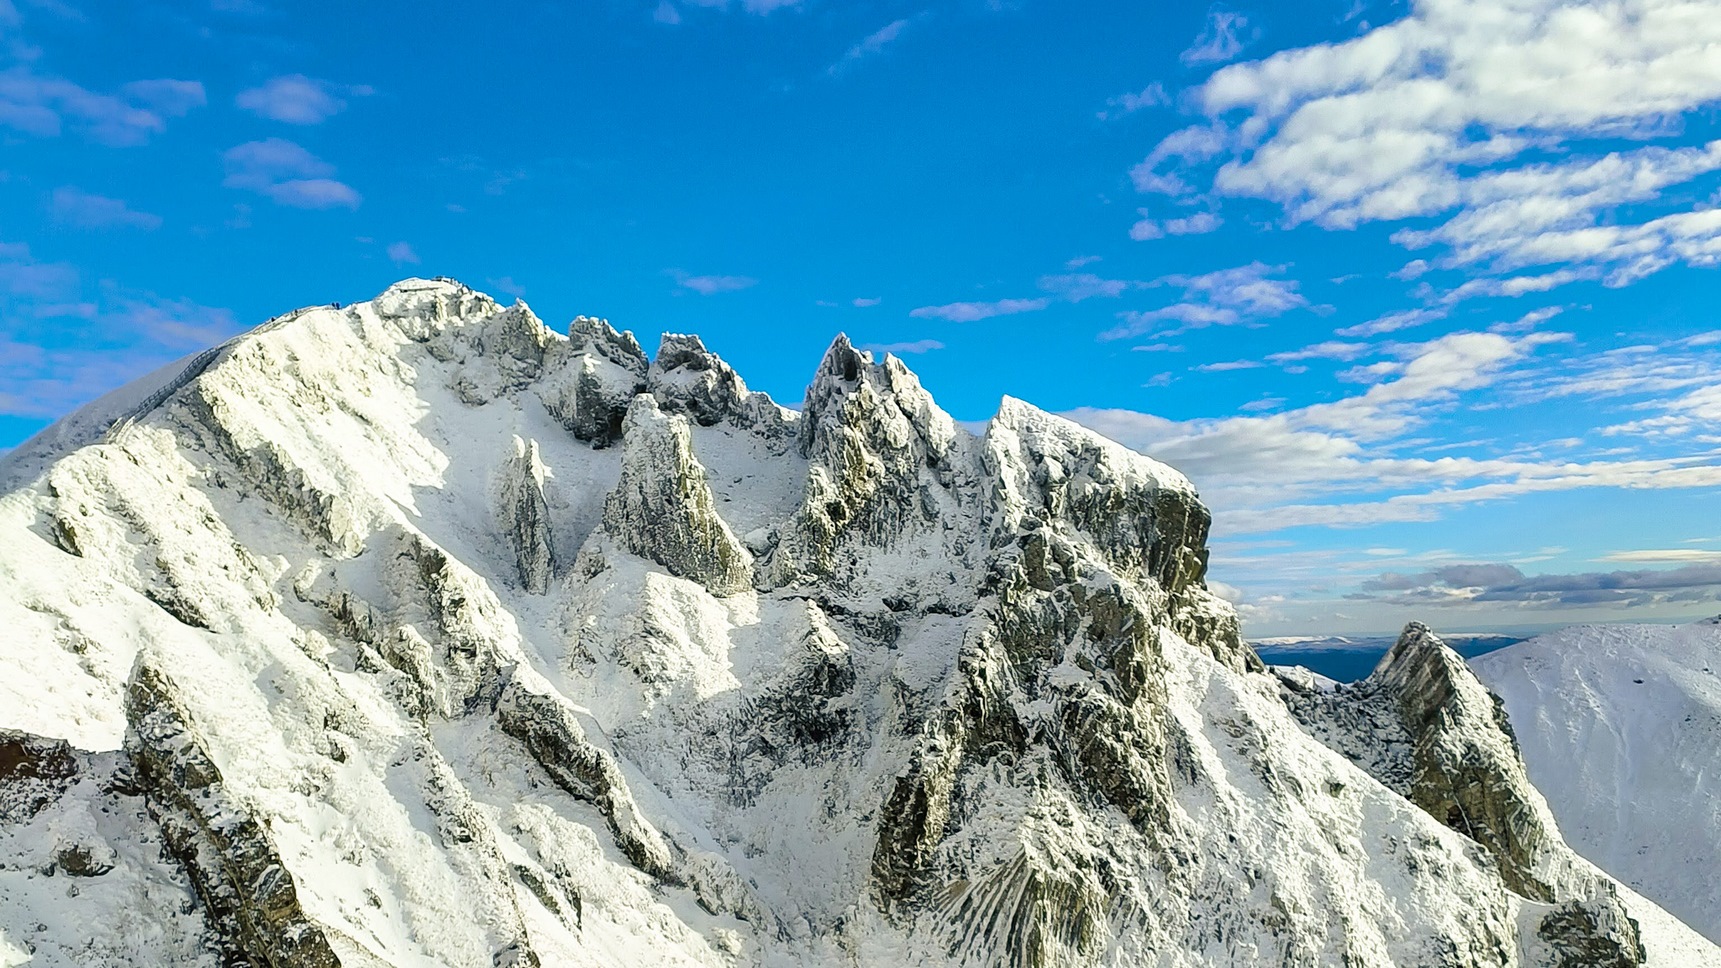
(525, 516)
(881, 464)
(1424, 725)
(593, 379)
(34, 770)
(662, 508)
(691, 380)
(556, 740)
(250, 896)
(448, 635)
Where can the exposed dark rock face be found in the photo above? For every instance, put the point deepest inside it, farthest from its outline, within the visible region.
(691, 380)
(1591, 934)
(880, 465)
(593, 379)
(229, 855)
(33, 771)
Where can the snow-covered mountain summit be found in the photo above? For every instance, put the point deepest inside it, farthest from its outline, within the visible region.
(414, 633)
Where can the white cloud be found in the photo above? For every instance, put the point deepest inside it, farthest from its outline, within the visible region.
(864, 302)
(1198, 224)
(285, 172)
(871, 45)
(44, 105)
(969, 312)
(169, 97)
(1222, 38)
(666, 13)
(1329, 350)
(1664, 556)
(1334, 463)
(1085, 285)
(1414, 269)
(77, 207)
(900, 349)
(1181, 148)
(401, 253)
(759, 7)
(297, 99)
(711, 285)
(1151, 96)
(1392, 322)
(1223, 298)
(1481, 115)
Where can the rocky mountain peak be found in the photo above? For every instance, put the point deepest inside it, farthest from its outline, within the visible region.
(413, 633)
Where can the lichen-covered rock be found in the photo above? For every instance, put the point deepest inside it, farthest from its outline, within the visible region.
(662, 508)
(232, 861)
(1590, 933)
(882, 465)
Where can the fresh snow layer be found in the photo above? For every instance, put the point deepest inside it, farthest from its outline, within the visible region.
(1620, 727)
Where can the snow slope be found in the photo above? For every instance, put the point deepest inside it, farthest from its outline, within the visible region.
(414, 634)
(1620, 727)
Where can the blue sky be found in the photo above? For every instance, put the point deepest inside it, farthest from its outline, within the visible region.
(1422, 296)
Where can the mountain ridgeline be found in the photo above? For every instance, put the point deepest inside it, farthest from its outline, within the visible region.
(415, 633)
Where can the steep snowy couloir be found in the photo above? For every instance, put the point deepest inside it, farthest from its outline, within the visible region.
(414, 633)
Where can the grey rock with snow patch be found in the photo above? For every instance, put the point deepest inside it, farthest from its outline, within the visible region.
(663, 509)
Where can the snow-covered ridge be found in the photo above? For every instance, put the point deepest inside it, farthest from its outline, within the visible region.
(415, 633)
(1621, 728)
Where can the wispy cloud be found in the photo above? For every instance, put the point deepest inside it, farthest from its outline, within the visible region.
(711, 285)
(288, 174)
(1222, 38)
(1461, 585)
(45, 105)
(1224, 298)
(1335, 463)
(62, 346)
(297, 99)
(871, 45)
(1199, 223)
(900, 349)
(1151, 96)
(970, 312)
(74, 206)
(1393, 322)
(401, 253)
